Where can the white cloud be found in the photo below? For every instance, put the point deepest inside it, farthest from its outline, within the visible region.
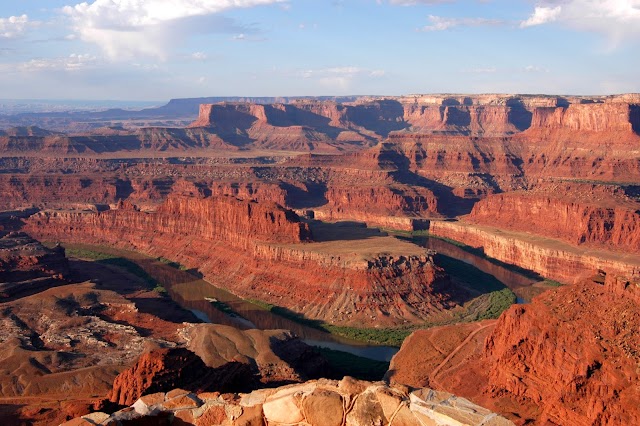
(534, 68)
(542, 15)
(617, 20)
(127, 28)
(245, 37)
(340, 77)
(13, 26)
(439, 23)
(73, 62)
(414, 2)
(199, 56)
(481, 70)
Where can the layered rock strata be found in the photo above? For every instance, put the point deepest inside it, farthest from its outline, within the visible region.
(254, 250)
(570, 357)
(347, 402)
(590, 222)
(550, 258)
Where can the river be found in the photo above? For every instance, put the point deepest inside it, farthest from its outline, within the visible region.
(196, 295)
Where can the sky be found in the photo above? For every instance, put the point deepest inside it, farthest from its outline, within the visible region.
(162, 49)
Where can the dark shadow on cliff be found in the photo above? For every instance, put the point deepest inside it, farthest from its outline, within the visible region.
(106, 277)
(382, 117)
(518, 114)
(343, 231)
(10, 415)
(312, 195)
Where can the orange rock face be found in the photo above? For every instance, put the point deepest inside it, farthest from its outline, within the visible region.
(613, 226)
(574, 353)
(605, 117)
(255, 251)
(550, 258)
(570, 357)
(165, 369)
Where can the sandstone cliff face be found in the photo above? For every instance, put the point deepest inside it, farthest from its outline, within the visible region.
(578, 222)
(570, 357)
(165, 369)
(347, 402)
(214, 219)
(489, 120)
(574, 353)
(549, 258)
(608, 117)
(380, 205)
(253, 250)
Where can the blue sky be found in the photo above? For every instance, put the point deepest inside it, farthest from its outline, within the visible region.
(161, 49)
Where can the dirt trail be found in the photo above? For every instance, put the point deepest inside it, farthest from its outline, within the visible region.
(434, 373)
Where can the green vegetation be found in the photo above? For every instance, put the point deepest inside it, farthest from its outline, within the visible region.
(171, 263)
(261, 304)
(499, 301)
(346, 364)
(223, 307)
(552, 283)
(119, 262)
(380, 336)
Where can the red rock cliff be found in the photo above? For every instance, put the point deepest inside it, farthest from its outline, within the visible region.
(213, 218)
(576, 221)
(574, 353)
(253, 250)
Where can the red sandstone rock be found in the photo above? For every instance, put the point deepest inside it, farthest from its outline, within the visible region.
(164, 369)
(557, 214)
(570, 357)
(573, 352)
(221, 237)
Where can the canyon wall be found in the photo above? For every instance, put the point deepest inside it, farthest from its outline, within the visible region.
(577, 118)
(549, 258)
(255, 251)
(214, 218)
(570, 357)
(557, 215)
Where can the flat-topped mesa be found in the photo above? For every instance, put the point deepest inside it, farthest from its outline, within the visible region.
(576, 119)
(255, 250)
(468, 120)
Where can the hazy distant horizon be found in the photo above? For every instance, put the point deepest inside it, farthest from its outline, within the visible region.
(139, 50)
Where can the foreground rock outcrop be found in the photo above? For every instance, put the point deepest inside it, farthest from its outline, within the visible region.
(569, 358)
(347, 402)
(165, 369)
